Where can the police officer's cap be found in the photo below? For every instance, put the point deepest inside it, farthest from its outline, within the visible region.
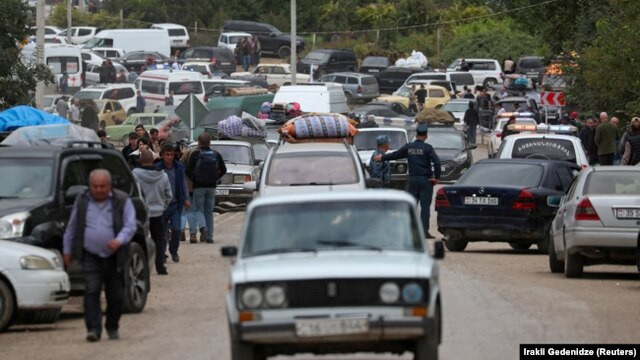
(422, 129)
(382, 140)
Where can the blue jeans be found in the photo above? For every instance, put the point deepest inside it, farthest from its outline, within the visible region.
(246, 61)
(422, 189)
(204, 199)
(172, 219)
(471, 134)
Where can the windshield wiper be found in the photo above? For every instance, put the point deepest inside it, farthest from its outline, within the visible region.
(343, 243)
(282, 251)
(310, 183)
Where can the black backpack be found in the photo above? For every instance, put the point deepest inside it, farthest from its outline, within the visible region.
(205, 172)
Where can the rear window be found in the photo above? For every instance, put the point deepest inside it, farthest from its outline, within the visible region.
(485, 65)
(531, 63)
(223, 54)
(177, 32)
(369, 80)
(436, 93)
(613, 183)
(544, 149)
(375, 61)
(462, 79)
(186, 87)
(493, 174)
(311, 169)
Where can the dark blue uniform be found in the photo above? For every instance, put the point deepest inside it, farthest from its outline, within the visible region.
(424, 164)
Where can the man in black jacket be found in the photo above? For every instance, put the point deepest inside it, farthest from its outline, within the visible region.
(471, 120)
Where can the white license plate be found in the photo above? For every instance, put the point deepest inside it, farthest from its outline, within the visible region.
(331, 327)
(628, 213)
(478, 200)
(176, 41)
(225, 63)
(374, 70)
(222, 192)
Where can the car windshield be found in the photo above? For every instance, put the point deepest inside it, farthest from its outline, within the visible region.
(511, 105)
(532, 63)
(613, 183)
(330, 226)
(317, 56)
(445, 140)
(87, 95)
(234, 154)
(25, 178)
(454, 64)
(366, 140)
(403, 91)
(544, 149)
(375, 61)
(456, 106)
(311, 169)
(522, 121)
(186, 87)
(493, 174)
(197, 68)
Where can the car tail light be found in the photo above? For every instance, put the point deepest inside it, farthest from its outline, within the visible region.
(525, 201)
(498, 134)
(583, 166)
(359, 89)
(189, 42)
(502, 75)
(586, 212)
(441, 199)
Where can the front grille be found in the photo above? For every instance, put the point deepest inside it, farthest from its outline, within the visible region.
(342, 292)
(227, 179)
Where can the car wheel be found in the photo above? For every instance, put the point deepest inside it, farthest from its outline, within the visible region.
(427, 348)
(284, 51)
(556, 266)
(456, 245)
(489, 82)
(131, 111)
(573, 265)
(48, 316)
(544, 243)
(241, 350)
(136, 280)
(7, 306)
(520, 245)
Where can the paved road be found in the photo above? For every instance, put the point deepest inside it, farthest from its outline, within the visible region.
(494, 298)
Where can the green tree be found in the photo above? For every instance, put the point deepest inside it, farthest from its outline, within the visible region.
(17, 79)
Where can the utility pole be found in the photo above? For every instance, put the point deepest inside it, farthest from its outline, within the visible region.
(294, 43)
(69, 7)
(40, 50)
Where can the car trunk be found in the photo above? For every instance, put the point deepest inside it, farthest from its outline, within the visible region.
(620, 211)
(481, 201)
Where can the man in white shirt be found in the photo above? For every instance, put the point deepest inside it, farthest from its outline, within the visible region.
(74, 111)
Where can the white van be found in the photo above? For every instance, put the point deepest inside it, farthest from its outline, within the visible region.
(79, 34)
(64, 58)
(314, 97)
(230, 40)
(155, 86)
(460, 78)
(178, 34)
(132, 40)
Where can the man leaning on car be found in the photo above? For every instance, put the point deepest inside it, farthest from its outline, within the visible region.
(103, 220)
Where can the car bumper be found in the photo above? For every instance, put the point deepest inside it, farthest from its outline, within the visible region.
(41, 289)
(233, 194)
(622, 238)
(489, 228)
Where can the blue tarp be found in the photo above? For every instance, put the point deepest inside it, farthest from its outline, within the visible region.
(20, 116)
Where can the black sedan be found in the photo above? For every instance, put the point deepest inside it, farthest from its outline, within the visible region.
(503, 201)
(135, 60)
(374, 64)
(384, 109)
(453, 150)
(392, 78)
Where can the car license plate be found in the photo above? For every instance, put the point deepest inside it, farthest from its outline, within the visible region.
(225, 63)
(478, 200)
(331, 327)
(222, 192)
(628, 213)
(176, 41)
(374, 70)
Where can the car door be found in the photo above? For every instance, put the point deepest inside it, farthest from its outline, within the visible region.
(563, 214)
(92, 74)
(278, 76)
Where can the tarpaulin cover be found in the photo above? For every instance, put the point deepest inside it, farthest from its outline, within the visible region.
(59, 134)
(20, 116)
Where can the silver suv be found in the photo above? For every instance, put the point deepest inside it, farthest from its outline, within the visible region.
(357, 87)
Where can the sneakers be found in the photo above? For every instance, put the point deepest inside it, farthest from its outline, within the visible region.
(92, 336)
(182, 236)
(175, 258)
(193, 238)
(203, 234)
(113, 334)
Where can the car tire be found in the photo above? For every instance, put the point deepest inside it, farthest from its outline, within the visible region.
(427, 347)
(556, 266)
(488, 82)
(284, 51)
(573, 265)
(48, 316)
(520, 245)
(456, 245)
(7, 306)
(131, 112)
(136, 280)
(241, 350)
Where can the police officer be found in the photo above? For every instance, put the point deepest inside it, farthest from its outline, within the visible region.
(381, 169)
(421, 157)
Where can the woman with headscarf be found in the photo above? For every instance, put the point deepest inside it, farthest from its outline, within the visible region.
(631, 154)
(89, 116)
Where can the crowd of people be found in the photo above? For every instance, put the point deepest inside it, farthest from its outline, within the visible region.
(247, 52)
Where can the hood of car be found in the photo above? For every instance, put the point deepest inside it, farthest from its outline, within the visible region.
(303, 189)
(334, 264)
(12, 206)
(447, 154)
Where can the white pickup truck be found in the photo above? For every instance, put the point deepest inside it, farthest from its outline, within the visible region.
(275, 74)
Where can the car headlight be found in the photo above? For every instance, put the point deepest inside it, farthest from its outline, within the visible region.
(412, 293)
(462, 157)
(252, 298)
(12, 226)
(275, 296)
(241, 179)
(401, 168)
(35, 262)
(389, 292)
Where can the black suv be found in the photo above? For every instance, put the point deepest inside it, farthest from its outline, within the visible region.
(222, 58)
(42, 182)
(272, 40)
(328, 61)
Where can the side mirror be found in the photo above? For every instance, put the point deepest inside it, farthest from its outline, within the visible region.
(372, 183)
(554, 201)
(229, 251)
(251, 185)
(72, 193)
(438, 250)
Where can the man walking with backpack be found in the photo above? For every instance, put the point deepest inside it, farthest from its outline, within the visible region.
(204, 168)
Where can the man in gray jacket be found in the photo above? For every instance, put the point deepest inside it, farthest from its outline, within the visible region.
(156, 189)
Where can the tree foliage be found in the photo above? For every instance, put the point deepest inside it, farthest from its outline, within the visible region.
(17, 79)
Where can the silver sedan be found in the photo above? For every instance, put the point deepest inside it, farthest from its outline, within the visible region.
(597, 220)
